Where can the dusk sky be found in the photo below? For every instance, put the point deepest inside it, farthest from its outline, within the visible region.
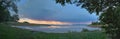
(48, 10)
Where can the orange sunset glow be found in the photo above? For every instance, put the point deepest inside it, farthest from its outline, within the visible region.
(41, 21)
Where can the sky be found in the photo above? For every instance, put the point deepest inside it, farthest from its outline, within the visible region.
(50, 12)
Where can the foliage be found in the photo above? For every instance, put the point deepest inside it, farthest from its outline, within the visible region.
(9, 4)
(14, 18)
(92, 5)
(5, 7)
(109, 11)
(97, 23)
(85, 30)
(111, 18)
(26, 22)
(4, 15)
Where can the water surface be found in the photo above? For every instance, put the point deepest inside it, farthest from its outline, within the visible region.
(58, 29)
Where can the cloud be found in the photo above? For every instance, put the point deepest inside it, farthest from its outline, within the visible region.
(41, 21)
(49, 10)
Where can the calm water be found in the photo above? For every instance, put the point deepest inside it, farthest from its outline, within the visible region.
(57, 29)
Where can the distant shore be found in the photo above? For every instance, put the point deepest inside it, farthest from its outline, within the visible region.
(96, 26)
(28, 24)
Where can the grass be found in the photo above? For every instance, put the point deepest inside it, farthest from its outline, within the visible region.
(71, 35)
(7, 32)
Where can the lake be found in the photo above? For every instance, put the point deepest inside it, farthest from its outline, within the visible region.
(58, 28)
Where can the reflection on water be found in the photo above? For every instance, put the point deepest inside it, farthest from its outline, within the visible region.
(56, 29)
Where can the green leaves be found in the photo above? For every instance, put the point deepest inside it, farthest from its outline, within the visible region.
(5, 7)
(110, 13)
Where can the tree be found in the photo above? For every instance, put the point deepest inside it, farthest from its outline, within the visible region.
(5, 7)
(14, 18)
(109, 11)
(111, 18)
(25, 22)
(97, 23)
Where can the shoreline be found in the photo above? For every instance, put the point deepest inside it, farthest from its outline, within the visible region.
(95, 26)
